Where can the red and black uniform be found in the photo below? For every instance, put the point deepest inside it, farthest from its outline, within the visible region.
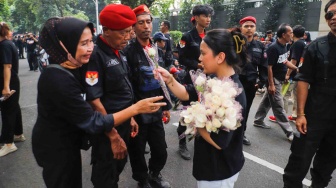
(151, 128)
(106, 78)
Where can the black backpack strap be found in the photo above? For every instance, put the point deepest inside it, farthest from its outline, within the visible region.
(323, 48)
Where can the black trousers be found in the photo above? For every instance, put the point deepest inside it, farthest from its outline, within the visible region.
(11, 113)
(250, 91)
(320, 141)
(21, 52)
(154, 134)
(106, 169)
(61, 168)
(180, 130)
(32, 61)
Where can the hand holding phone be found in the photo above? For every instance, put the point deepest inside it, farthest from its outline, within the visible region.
(3, 98)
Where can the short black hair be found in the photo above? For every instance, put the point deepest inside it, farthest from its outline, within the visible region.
(282, 29)
(203, 9)
(166, 23)
(298, 31)
(331, 2)
(269, 32)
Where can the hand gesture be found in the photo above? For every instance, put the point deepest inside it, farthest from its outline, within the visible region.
(166, 76)
(149, 105)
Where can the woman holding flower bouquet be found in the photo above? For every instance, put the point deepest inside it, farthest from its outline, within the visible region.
(218, 155)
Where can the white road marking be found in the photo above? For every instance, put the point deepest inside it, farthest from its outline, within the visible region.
(175, 124)
(271, 166)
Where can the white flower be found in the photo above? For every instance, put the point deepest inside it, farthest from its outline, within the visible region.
(187, 119)
(216, 123)
(151, 52)
(231, 112)
(200, 81)
(229, 124)
(220, 112)
(217, 90)
(227, 103)
(216, 100)
(208, 126)
(232, 92)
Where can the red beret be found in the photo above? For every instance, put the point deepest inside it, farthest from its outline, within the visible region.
(117, 16)
(141, 9)
(248, 18)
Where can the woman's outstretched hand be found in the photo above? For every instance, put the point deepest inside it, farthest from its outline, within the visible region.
(149, 105)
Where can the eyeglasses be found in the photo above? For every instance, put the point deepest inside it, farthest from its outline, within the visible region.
(329, 15)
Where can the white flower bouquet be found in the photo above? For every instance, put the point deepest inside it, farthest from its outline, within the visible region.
(216, 109)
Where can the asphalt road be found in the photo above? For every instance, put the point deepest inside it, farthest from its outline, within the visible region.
(265, 158)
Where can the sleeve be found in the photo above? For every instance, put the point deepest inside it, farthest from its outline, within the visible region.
(192, 95)
(272, 56)
(296, 52)
(308, 66)
(5, 55)
(94, 76)
(184, 49)
(66, 95)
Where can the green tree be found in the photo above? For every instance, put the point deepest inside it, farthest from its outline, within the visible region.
(217, 6)
(135, 3)
(298, 9)
(274, 9)
(4, 11)
(236, 12)
(161, 8)
(184, 23)
(176, 36)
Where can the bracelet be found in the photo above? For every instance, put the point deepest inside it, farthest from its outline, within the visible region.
(301, 114)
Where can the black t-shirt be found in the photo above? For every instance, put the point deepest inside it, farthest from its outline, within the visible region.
(31, 45)
(277, 54)
(9, 55)
(296, 52)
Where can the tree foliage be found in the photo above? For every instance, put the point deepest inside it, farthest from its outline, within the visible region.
(161, 8)
(236, 12)
(4, 10)
(185, 14)
(298, 10)
(135, 3)
(274, 9)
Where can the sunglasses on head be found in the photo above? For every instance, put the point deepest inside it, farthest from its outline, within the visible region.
(329, 15)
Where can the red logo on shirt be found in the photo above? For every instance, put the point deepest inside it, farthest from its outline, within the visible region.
(91, 77)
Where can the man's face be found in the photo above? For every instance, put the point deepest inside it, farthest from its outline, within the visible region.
(163, 27)
(203, 20)
(143, 26)
(269, 36)
(161, 44)
(332, 22)
(288, 35)
(118, 39)
(248, 29)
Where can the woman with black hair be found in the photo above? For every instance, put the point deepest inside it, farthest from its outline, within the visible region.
(9, 82)
(218, 157)
(63, 114)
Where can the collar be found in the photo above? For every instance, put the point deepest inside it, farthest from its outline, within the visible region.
(283, 45)
(116, 52)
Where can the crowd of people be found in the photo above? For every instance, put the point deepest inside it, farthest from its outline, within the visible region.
(108, 95)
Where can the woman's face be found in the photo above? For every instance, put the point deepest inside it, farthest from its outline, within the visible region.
(84, 47)
(208, 60)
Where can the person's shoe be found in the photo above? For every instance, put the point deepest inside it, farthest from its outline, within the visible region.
(291, 118)
(183, 150)
(290, 137)
(263, 125)
(19, 138)
(246, 141)
(272, 118)
(7, 149)
(144, 184)
(156, 180)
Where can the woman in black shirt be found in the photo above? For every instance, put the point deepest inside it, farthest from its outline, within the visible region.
(9, 82)
(63, 115)
(218, 157)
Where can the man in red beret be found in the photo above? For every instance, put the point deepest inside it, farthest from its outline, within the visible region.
(151, 129)
(108, 89)
(256, 69)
